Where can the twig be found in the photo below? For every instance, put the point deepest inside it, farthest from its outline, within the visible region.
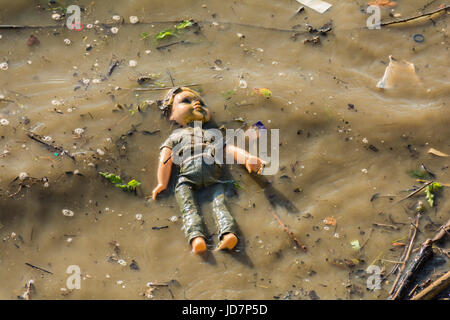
(429, 14)
(289, 232)
(416, 191)
(434, 289)
(368, 238)
(38, 138)
(413, 232)
(389, 226)
(165, 46)
(37, 268)
(425, 253)
(443, 230)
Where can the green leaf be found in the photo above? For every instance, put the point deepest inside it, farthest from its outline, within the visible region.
(112, 177)
(183, 25)
(430, 191)
(134, 184)
(165, 34)
(355, 244)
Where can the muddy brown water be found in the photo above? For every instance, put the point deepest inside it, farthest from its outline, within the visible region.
(337, 155)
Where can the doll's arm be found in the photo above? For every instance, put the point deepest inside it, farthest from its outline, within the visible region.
(252, 163)
(164, 171)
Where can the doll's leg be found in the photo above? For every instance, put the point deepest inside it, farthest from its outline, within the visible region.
(225, 222)
(192, 221)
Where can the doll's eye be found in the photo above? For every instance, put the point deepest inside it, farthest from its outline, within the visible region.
(186, 100)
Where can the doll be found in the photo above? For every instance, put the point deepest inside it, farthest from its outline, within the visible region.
(185, 106)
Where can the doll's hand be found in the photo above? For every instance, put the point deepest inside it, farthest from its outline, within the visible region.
(159, 188)
(254, 164)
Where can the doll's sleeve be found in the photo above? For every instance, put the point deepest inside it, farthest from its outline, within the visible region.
(172, 140)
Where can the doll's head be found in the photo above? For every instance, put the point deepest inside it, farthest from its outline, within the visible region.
(185, 105)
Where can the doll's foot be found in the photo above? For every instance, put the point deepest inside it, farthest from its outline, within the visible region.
(229, 241)
(198, 245)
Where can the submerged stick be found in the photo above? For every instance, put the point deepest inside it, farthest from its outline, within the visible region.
(434, 289)
(417, 191)
(425, 253)
(39, 139)
(407, 252)
(428, 15)
(37, 268)
(289, 232)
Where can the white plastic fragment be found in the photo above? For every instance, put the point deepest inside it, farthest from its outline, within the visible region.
(173, 218)
(114, 30)
(68, 213)
(4, 66)
(67, 42)
(116, 17)
(398, 73)
(23, 176)
(78, 131)
(4, 122)
(132, 63)
(122, 262)
(134, 19)
(138, 216)
(56, 16)
(100, 152)
(317, 5)
(242, 84)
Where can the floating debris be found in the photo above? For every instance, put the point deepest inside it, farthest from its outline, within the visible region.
(398, 73)
(56, 16)
(134, 19)
(68, 213)
(23, 176)
(116, 18)
(67, 42)
(78, 131)
(4, 122)
(33, 41)
(114, 30)
(355, 244)
(383, 3)
(132, 63)
(418, 38)
(437, 153)
(139, 216)
(317, 5)
(4, 66)
(122, 262)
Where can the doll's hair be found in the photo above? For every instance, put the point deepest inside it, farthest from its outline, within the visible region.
(166, 106)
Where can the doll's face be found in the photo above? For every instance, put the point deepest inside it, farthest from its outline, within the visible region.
(188, 107)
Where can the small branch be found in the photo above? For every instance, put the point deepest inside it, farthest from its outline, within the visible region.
(425, 15)
(417, 191)
(407, 252)
(53, 148)
(443, 230)
(434, 289)
(37, 268)
(425, 253)
(289, 232)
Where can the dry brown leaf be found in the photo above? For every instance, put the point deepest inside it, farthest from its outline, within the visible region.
(437, 153)
(383, 3)
(330, 221)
